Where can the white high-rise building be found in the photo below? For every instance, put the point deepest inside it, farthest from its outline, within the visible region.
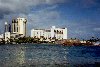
(19, 26)
(58, 33)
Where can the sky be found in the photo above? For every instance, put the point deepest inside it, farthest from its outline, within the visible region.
(81, 17)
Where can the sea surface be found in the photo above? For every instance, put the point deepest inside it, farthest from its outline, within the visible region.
(47, 55)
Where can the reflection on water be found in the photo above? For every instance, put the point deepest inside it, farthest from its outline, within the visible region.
(12, 55)
(48, 55)
(20, 55)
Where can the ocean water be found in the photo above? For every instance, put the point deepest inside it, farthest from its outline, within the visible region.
(45, 55)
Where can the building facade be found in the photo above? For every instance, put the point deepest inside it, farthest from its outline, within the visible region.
(1, 36)
(7, 36)
(19, 26)
(57, 33)
(40, 33)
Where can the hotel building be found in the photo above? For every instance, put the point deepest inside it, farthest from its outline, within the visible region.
(18, 29)
(57, 33)
(19, 26)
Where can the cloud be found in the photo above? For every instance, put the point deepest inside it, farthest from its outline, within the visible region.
(10, 9)
(42, 18)
(88, 3)
(55, 1)
(22, 6)
(97, 29)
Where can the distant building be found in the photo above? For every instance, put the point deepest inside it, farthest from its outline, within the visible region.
(39, 33)
(1, 36)
(7, 27)
(7, 36)
(7, 32)
(96, 43)
(84, 42)
(57, 33)
(19, 26)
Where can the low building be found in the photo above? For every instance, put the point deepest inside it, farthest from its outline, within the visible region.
(58, 33)
(7, 36)
(97, 43)
(84, 42)
(53, 33)
(40, 33)
(1, 36)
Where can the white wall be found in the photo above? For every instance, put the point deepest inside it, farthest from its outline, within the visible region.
(47, 35)
(21, 25)
(7, 36)
(65, 33)
(37, 33)
(58, 35)
(1, 36)
(62, 33)
(52, 31)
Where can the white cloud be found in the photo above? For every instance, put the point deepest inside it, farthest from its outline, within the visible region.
(96, 29)
(43, 18)
(22, 5)
(10, 9)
